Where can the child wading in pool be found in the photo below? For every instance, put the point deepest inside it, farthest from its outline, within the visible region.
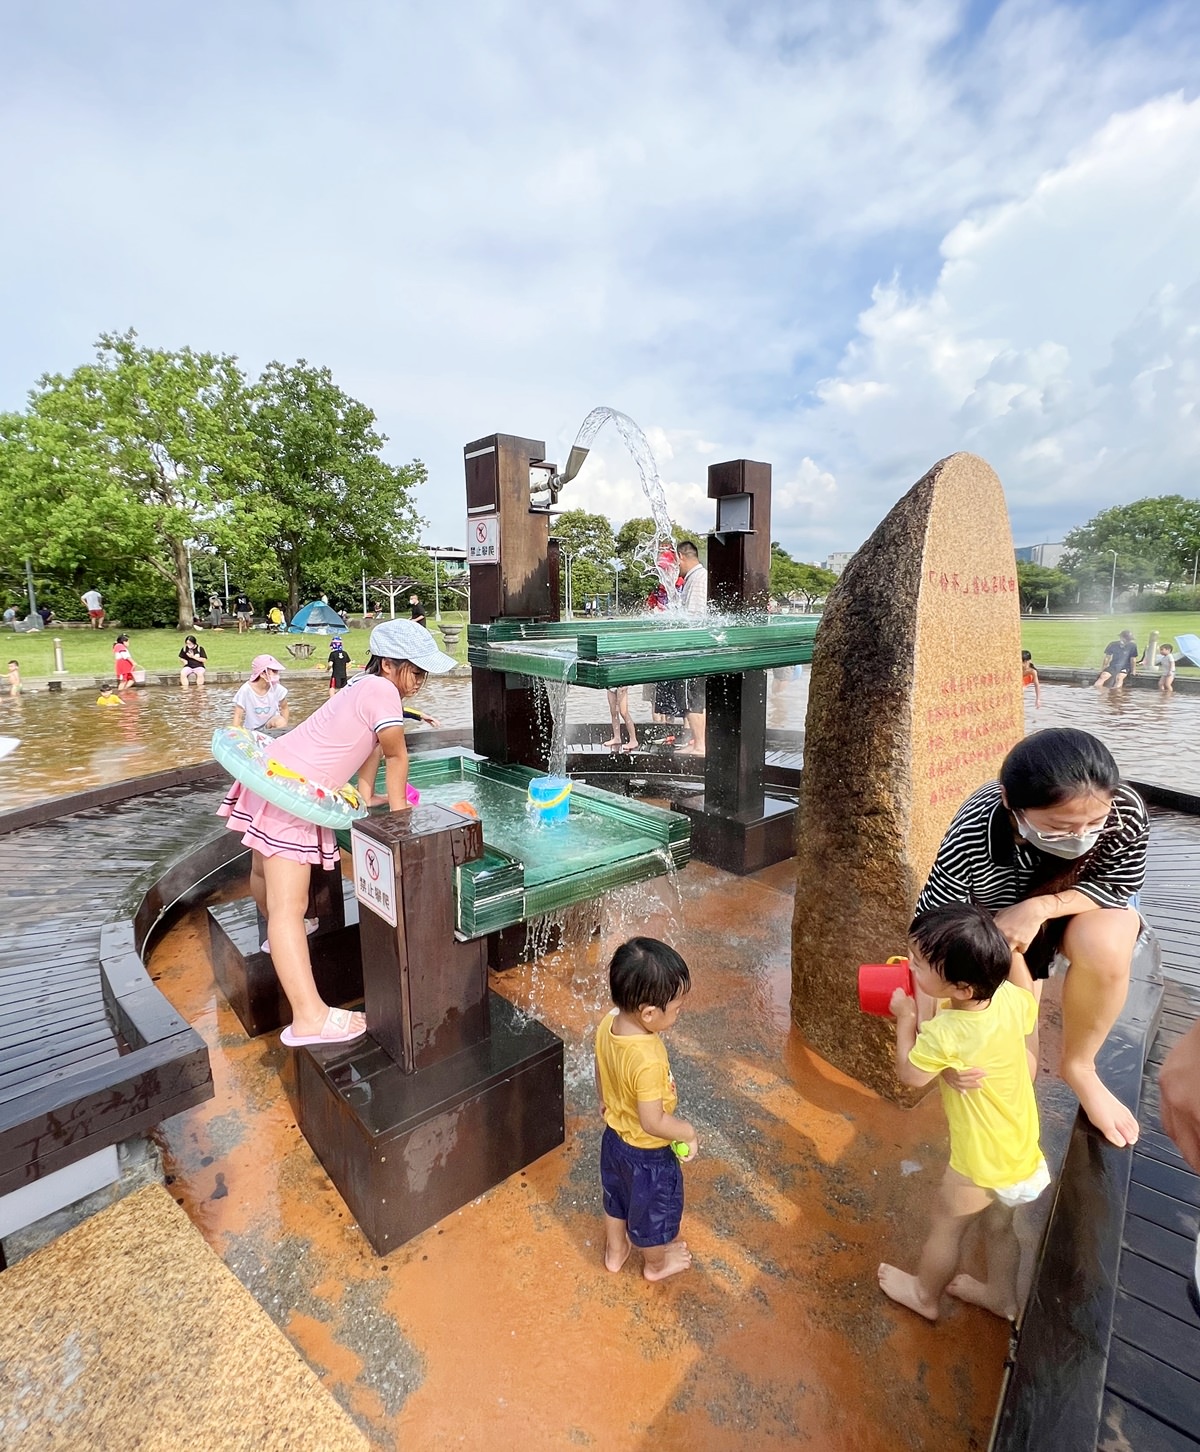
(1165, 664)
(1029, 677)
(639, 1171)
(988, 1010)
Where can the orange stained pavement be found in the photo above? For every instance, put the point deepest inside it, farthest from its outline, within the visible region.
(500, 1328)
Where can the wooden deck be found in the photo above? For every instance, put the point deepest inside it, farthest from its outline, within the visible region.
(90, 1052)
(1108, 1355)
(1152, 1389)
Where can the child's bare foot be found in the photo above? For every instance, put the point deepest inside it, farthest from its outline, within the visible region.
(668, 1260)
(903, 1288)
(979, 1293)
(630, 745)
(1116, 1123)
(612, 743)
(615, 1256)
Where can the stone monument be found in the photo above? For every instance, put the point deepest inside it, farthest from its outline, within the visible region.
(915, 698)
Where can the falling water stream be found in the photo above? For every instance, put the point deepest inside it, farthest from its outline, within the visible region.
(659, 553)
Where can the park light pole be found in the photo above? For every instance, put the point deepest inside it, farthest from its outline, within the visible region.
(1195, 563)
(1112, 587)
(437, 597)
(617, 566)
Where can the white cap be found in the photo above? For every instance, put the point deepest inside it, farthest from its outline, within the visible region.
(406, 640)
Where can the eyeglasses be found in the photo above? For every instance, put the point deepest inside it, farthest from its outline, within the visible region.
(1103, 830)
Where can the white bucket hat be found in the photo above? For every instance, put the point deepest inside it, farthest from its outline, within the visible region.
(406, 640)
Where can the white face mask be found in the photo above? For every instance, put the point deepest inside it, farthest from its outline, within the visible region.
(1057, 844)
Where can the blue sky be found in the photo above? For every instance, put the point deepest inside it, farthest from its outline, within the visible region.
(848, 239)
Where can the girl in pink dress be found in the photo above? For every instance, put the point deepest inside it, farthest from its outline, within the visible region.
(344, 739)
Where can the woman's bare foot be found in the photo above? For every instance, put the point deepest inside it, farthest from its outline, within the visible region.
(903, 1288)
(979, 1293)
(667, 1260)
(630, 745)
(615, 1255)
(1117, 1124)
(612, 743)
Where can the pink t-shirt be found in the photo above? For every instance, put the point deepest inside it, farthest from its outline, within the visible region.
(339, 736)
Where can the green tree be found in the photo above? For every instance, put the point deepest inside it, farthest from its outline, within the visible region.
(1038, 584)
(326, 507)
(127, 462)
(1155, 539)
(795, 582)
(589, 542)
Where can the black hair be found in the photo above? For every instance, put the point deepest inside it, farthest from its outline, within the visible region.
(1026, 655)
(1054, 765)
(642, 971)
(962, 943)
(121, 639)
(687, 546)
(374, 665)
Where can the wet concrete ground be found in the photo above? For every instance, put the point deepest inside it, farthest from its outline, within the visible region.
(500, 1328)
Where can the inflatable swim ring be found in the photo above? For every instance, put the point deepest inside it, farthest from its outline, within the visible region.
(246, 756)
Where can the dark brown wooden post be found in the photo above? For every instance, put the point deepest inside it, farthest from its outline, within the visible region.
(739, 575)
(426, 992)
(517, 584)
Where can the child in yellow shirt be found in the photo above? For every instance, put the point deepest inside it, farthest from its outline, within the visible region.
(986, 1013)
(639, 1168)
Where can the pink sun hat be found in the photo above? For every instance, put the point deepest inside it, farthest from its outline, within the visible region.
(261, 664)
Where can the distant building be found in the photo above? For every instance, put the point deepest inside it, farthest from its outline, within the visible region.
(838, 561)
(450, 561)
(1047, 555)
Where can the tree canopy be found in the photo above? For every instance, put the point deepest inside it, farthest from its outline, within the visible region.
(151, 464)
(1156, 541)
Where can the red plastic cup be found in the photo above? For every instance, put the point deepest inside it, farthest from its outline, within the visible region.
(878, 981)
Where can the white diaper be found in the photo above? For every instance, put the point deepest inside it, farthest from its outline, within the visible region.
(1025, 1191)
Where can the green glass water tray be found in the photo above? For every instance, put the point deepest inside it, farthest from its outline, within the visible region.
(609, 653)
(528, 868)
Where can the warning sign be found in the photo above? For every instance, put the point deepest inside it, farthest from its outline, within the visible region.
(483, 540)
(374, 876)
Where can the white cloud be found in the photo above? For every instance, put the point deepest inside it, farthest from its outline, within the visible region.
(1061, 340)
(490, 217)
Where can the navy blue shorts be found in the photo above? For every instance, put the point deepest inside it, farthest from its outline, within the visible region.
(643, 1187)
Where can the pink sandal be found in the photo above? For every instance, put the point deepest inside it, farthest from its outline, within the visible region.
(336, 1030)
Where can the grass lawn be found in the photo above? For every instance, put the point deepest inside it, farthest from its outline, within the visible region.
(89, 652)
(1054, 642)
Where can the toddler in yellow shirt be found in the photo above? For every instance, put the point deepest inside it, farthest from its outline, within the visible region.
(639, 1168)
(986, 1013)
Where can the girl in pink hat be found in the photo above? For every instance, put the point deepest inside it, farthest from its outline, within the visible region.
(344, 739)
(261, 704)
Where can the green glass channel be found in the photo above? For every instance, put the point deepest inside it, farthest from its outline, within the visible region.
(529, 869)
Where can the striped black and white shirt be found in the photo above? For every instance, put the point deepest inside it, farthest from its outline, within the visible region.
(981, 860)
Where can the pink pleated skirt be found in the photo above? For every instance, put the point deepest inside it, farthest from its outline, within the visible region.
(271, 831)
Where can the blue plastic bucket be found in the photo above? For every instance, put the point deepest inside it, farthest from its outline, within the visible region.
(550, 798)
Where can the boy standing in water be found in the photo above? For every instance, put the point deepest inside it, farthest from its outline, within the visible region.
(639, 1168)
(986, 1012)
(14, 678)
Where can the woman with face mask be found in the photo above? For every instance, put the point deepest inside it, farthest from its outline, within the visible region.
(1056, 850)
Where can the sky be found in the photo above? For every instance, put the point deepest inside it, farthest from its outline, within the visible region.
(847, 239)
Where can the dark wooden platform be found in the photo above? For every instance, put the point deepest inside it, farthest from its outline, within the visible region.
(1108, 1354)
(90, 1052)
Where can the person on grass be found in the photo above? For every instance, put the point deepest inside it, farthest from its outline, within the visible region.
(987, 1012)
(1056, 850)
(346, 738)
(639, 1168)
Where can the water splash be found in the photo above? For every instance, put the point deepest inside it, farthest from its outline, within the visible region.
(659, 554)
